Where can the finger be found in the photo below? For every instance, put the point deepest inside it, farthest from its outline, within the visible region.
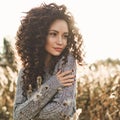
(67, 84)
(68, 81)
(66, 73)
(68, 77)
(58, 72)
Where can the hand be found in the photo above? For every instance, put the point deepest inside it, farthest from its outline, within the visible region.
(66, 78)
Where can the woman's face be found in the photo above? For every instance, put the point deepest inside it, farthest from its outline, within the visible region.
(57, 37)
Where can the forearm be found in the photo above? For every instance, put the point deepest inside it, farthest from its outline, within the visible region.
(28, 109)
(62, 105)
(57, 111)
(42, 102)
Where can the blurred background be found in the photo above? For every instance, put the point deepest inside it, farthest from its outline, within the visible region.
(98, 82)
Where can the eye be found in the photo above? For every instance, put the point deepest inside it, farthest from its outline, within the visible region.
(52, 34)
(65, 36)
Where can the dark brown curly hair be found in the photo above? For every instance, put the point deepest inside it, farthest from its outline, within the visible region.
(31, 40)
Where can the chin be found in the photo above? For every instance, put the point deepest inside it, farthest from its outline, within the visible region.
(57, 54)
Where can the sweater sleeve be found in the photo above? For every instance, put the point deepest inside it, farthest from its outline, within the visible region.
(63, 104)
(26, 109)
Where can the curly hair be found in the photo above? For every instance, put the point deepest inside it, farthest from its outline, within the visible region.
(31, 40)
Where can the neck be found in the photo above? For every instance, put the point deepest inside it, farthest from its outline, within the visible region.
(47, 60)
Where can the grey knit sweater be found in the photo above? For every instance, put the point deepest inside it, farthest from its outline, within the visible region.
(52, 101)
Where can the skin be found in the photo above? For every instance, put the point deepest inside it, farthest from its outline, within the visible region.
(57, 38)
(56, 43)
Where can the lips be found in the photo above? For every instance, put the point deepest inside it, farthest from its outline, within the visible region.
(58, 49)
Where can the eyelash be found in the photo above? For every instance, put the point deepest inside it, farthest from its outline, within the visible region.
(54, 34)
(66, 36)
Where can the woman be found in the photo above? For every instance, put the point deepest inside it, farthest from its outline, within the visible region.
(48, 44)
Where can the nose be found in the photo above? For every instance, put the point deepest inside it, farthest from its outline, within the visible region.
(59, 41)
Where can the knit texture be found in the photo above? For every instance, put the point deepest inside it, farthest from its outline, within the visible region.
(52, 101)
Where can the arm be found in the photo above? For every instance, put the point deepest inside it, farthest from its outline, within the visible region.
(26, 109)
(63, 105)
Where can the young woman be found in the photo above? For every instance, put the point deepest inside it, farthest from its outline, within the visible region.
(48, 44)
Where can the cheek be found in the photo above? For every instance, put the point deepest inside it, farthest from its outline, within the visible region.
(65, 43)
(48, 44)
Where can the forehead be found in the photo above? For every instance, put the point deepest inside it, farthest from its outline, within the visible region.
(59, 25)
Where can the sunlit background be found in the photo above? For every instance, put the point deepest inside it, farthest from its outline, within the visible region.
(98, 84)
(98, 21)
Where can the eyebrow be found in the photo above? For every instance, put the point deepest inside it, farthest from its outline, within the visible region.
(58, 32)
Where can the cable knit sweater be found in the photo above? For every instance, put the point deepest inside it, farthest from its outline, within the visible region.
(51, 101)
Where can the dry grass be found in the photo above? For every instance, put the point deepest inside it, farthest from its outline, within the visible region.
(99, 91)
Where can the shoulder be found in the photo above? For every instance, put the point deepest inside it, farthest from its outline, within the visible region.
(70, 57)
(70, 62)
(20, 74)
